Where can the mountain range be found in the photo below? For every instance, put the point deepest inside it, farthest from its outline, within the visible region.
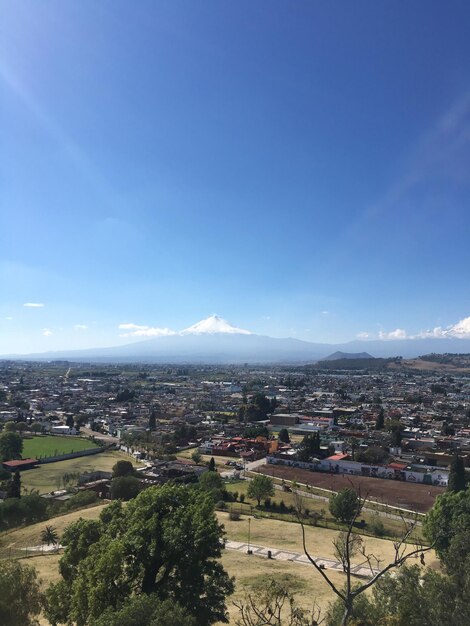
(215, 341)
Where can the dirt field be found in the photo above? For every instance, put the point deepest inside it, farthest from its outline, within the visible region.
(396, 493)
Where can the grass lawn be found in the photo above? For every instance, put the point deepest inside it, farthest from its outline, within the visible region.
(45, 478)
(52, 445)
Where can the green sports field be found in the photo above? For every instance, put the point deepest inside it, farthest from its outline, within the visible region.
(51, 445)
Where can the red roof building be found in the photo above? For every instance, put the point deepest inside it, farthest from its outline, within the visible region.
(20, 464)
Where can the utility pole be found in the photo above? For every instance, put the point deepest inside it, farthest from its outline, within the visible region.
(249, 551)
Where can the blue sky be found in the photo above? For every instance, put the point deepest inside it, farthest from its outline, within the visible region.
(300, 168)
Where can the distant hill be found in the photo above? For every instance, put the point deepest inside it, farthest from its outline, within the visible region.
(214, 340)
(355, 364)
(336, 356)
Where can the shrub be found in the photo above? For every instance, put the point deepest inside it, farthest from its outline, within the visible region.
(282, 506)
(234, 516)
(377, 527)
(242, 497)
(267, 503)
(221, 505)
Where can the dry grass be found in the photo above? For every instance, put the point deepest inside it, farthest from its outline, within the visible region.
(306, 584)
(45, 477)
(12, 541)
(279, 534)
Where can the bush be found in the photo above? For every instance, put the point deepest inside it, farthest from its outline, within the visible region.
(80, 500)
(221, 505)
(234, 516)
(267, 503)
(344, 505)
(377, 527)
(282, 506)
(315, 516)
(242, 497)
(235, 495)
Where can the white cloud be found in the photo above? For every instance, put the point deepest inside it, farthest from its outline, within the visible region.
(47, 332)
(398, 333)
(325, 312)
(80, 326)
(460, 330)
(8, 317)
(363, 335)
(138, 330)
(33, 305)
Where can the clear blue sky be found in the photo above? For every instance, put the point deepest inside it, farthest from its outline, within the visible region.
(300, 168)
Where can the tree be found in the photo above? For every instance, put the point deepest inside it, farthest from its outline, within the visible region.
(273, 604)
(10, 427)
(350, 596)
(344, 505)
(123, 468)
(196, 456)
(146, 610)
(284, 435)
(165, 542)
(380, 421)
(14, 486)
(395, 428)
(309, 447)
(447, 526)
(124, 488)
(212, 464)
(456, 475)
(20, 598)
(153, 420)
(11, 446)
(211, 482)
(260, 487)
(69, 421)
(49, 536)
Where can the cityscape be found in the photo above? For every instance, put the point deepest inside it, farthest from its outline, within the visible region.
(234, 313)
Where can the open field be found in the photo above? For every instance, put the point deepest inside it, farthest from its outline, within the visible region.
(45, 478)
(52, 445)
(12, 541)
(220, 461)
(249, 571)
(394, 492)
(306, 583)
(392, 527)
(274, 533)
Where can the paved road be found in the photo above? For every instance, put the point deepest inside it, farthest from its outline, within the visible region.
(296, 557)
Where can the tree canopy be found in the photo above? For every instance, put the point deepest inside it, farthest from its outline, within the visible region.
(456, 475)
(11, 446)
(344, 504)
(260, 487)
(165, 543)
(20, 598)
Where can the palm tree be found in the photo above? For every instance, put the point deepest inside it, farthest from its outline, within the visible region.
(49, 536)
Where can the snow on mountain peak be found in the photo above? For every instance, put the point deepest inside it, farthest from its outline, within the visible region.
(213, 325)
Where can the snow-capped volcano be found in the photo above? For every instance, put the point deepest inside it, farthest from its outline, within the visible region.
(213, 325)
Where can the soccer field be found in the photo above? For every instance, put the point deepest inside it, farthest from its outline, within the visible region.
(50, 445)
